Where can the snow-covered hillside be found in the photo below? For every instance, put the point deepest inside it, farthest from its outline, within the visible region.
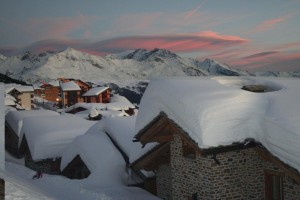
(135, 65)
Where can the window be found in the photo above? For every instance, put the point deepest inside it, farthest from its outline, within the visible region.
(273, 185)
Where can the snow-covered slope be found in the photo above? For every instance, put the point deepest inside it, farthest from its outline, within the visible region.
(216, 68)
(137, 65)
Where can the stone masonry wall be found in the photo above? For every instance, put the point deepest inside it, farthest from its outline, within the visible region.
(48, 166)
(291, 189)
(164, 183)
(238, 176)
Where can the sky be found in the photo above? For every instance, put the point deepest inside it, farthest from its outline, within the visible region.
(252, 35)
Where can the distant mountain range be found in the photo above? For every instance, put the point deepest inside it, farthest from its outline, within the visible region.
(140, 64)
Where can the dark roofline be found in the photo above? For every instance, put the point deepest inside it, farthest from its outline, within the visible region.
(154, 120)
(247, 143)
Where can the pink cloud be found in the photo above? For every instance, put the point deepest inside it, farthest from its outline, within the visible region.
(270, 24)
(45, 28)
(203, 41)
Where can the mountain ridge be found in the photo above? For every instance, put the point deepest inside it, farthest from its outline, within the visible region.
(139, 64)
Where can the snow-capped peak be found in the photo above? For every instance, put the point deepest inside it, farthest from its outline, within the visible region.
(155, 54)
(216, 68)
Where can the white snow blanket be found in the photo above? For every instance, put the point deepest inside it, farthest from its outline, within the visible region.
(215, 111)
(121, 129)
(48, 136)
(15, 118)
(105, 162)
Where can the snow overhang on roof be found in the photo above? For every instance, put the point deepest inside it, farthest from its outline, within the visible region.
(95, 91)
(24, 88)
(215, 111)
(70, 86)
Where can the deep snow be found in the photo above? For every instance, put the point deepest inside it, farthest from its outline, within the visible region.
(215, 111)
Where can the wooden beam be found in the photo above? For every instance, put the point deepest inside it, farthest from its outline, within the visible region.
(153, 156)
(156, 129)
(265, 155)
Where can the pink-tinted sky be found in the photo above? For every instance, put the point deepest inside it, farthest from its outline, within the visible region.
(253, 35)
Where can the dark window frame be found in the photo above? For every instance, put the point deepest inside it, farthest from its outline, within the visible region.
(274, 179)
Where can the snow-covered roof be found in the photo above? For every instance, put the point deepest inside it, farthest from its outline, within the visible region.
(215, 111)
(95, 91)
(47, 136)
(70, 86)
(105, 162)
(20, 88)
(25, 88)
(15, 118)
(117, 102)
(9, 100)
(121, 129)
(39, 84)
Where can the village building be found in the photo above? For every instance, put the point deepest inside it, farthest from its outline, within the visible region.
(118, 106)
(84, 86)
(211, 139)
(23, 95)
(14, 124)
(108, 141)
(45, 138)
(97, 95)
(94, 155)
(70, 93)
(49, 90)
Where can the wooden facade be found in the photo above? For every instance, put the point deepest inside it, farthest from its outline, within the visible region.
(71, 97)
(103, 97)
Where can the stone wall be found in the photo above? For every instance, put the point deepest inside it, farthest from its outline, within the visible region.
(291, 189)
(164, 183)
(237, 174)
(48, 166)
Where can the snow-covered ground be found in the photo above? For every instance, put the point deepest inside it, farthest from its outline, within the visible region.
(20, 185)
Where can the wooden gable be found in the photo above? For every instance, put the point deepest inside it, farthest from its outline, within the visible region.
(155, 157)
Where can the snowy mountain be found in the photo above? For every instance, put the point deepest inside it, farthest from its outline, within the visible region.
(279, 74)
(140, 64)
(216, 68)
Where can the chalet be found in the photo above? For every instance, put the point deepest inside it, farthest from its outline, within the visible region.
(84, 86)
(215, 140)
(49, 90)
(23, 94)
(14, 124)
(44, 139)
(70, 93)
(97, 95)
(107, 142)
(88, 154)
(118, 106)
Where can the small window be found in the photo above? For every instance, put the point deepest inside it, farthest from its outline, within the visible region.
(273, 185)
(187, 150)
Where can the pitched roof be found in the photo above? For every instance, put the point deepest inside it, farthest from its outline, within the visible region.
(69, 86)
(95, 91)
(215, 111)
